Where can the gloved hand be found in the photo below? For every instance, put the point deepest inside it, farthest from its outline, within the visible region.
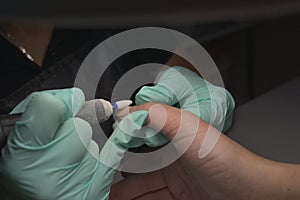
(182, 88)
(46, 154)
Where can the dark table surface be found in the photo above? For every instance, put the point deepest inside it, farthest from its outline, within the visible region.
(270, 125)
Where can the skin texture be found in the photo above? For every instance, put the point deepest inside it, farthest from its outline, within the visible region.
(229, 171)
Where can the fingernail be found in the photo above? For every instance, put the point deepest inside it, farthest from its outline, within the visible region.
(123, 112)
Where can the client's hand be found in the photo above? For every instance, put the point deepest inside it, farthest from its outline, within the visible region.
(229, 171)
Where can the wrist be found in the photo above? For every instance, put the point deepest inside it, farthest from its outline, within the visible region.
(273, 180)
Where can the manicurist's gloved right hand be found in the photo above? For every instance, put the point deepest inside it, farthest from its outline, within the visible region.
(46, 154)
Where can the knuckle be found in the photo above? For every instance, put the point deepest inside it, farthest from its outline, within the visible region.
(46, 106)
(44, 101)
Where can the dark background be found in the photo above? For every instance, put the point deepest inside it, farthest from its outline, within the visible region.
(255, 44)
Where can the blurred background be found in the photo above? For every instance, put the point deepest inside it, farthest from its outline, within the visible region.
(254, 43)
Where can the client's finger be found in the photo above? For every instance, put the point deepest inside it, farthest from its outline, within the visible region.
(169, 120)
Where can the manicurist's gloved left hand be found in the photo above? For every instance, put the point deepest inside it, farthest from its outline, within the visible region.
(50, 153)
(180, 87)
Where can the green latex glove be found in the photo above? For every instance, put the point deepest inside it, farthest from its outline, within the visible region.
(180, 87)
(128, 133)
(46, 154)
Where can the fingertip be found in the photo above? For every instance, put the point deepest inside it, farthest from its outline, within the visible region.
(122, 113)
